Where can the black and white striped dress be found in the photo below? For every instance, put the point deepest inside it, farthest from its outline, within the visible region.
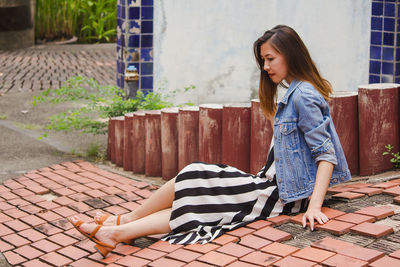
(211, 199)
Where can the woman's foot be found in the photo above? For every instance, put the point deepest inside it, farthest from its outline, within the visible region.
(101, 235)
(107, 219)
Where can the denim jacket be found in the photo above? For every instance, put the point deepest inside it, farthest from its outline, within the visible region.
(303, 135)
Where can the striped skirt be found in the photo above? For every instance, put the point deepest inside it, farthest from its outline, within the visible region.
(211, 199)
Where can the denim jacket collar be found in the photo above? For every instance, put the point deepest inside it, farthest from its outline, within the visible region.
(293, 85)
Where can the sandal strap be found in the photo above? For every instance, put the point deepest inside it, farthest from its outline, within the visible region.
(118, 219)
(92, 234)
(103, 218)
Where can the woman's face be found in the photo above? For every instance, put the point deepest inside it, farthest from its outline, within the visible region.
(274, 64)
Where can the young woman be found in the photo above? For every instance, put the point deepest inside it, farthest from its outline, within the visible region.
(206, 200)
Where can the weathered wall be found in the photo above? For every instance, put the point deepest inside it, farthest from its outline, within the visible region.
(208, 43)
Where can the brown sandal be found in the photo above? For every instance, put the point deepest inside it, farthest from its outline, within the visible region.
(104, 217)
(101, 247)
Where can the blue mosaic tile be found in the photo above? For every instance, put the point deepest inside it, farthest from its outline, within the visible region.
(147, 12)
(133, 55)
(121, 67)
(397, 53)
(390, 10)
(146, 68)
(375, 52)
(134, 26)
(397, 71)
(121, 40)
(377, 8)
(147, 2)
(389, 24)
(388, 53)
(375, 67)
(133, 40)
(147, 26)
(134, 12)
(376, 23)
(374, 79)
(397, 80)
(146, 40)
(387, 67)
(119, 11)
(118, 81)
(398, 9)
(137, 47)
(122, 82)
(119, 52)
(119, 24)
(146, 54)
(388, 38)
(376, 38)
(146, 82)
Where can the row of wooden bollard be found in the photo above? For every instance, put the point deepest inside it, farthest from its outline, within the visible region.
(162, 142)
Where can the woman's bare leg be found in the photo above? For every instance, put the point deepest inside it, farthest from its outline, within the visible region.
(160, 200)
(155, 223)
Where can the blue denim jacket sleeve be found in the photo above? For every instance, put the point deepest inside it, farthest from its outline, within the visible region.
(314, 121)
(328, 156)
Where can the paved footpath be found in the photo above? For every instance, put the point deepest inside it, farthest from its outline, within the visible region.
(363, 229)
(47, 66)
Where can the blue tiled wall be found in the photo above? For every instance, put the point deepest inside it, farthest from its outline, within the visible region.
(384, 64)
(135, 40)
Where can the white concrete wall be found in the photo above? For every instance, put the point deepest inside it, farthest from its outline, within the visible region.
(208, 43)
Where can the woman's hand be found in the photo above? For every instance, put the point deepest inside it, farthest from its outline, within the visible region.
(314, 214)
(324, 173)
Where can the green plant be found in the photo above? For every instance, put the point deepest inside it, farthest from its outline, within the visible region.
(3, 117)
(95, 152)
(96, 104)
(395, 160)
(89, 20)
(99, 17)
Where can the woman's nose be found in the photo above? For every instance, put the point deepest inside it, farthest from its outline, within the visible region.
(266, 67)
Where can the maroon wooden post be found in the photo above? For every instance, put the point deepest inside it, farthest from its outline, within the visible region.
(111, 140)
(378, 119)
(153, 143)
(138, 142)
(236, 136)
(344, 112)
(260, 137)
(119, 140)
(188, 134)
(210, 133)
(169, 142)
(128, 147)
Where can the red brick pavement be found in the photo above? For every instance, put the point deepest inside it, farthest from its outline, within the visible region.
(34, 230)
(43, 67)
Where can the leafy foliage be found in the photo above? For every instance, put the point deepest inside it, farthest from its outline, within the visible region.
(89, 20)
(395, 160)
(96, 104)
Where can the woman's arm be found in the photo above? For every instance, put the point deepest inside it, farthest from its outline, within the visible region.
(324, 174)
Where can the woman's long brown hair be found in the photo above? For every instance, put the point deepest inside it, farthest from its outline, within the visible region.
(299, 64)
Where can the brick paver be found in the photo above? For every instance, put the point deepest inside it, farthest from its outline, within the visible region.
(43, 67)
(34, 231)
(378, 212)
(335, 227)
(372, 229)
